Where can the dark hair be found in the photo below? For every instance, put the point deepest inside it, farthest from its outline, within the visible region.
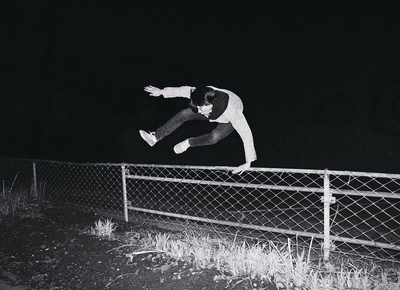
(201, 96)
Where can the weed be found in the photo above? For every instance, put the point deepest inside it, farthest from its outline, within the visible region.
(104, 228)
(267, 262)
(13, 199)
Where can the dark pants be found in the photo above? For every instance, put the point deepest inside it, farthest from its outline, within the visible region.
(220, 132)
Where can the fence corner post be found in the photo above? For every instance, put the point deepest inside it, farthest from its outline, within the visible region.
(327, 201)
(125, 199)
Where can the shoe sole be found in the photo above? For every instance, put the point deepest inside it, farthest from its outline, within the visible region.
(179, 150)
(143, 135)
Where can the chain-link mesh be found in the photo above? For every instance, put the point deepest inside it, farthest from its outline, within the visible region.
(363, 209)
(365, 220)
(96, 187)
(259, 204)
(275, 204)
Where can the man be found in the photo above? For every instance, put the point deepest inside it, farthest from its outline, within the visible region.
(208, 104)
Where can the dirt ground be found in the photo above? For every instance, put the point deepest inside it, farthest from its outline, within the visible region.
(50, 248)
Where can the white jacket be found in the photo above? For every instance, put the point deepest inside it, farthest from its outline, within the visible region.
(233, 114)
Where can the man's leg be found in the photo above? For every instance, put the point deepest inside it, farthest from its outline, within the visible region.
(219, 133)
(177, 120)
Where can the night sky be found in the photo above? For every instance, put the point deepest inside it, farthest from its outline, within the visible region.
(320, 81)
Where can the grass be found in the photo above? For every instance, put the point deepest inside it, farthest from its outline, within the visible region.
(10, 202)
(104, 229)
(13, 199)
(257, 262)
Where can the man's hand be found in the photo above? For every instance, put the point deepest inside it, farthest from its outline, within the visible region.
(154, 91)
(239, 170)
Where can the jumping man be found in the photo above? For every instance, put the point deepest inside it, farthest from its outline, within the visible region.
(208, 104)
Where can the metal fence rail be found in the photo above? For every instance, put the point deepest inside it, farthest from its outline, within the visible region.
(343, 213)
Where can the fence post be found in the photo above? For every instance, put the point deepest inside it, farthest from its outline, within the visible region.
(125, 199)
(327, 202)
(34, 179)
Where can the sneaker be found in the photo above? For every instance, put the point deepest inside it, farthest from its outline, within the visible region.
(150, 137)
(181, 147)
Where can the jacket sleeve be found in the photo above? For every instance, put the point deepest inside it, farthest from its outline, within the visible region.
(173, 92)
(240, 124)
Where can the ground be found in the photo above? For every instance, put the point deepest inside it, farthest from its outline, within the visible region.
(51, 248)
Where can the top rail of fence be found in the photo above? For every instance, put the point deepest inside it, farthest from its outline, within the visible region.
(285, 170)
(226, 168)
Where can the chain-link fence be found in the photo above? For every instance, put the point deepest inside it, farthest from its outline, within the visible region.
(94, 187)
(366, 216)
(343, 212)
(338, 213)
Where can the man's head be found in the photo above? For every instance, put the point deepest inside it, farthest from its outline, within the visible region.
(202, 97)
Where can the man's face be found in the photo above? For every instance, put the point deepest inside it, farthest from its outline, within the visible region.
(205, 110)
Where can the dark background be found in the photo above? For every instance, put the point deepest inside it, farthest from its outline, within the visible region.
(319, 81)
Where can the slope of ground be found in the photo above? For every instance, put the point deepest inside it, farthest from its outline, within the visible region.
(50, 248)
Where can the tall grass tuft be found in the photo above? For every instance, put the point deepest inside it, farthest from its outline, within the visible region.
(12, 199)
(37, 194)
(104, 228)
(263, 261)
(280, 265)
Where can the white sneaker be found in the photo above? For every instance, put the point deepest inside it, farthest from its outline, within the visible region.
(150, 137)
(181, 147)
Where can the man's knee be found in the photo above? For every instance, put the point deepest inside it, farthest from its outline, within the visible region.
(183, 115)
(215, 138)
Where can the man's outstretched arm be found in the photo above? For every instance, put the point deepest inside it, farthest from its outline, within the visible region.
(242, 127)
(169, 92)
(153, 91)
